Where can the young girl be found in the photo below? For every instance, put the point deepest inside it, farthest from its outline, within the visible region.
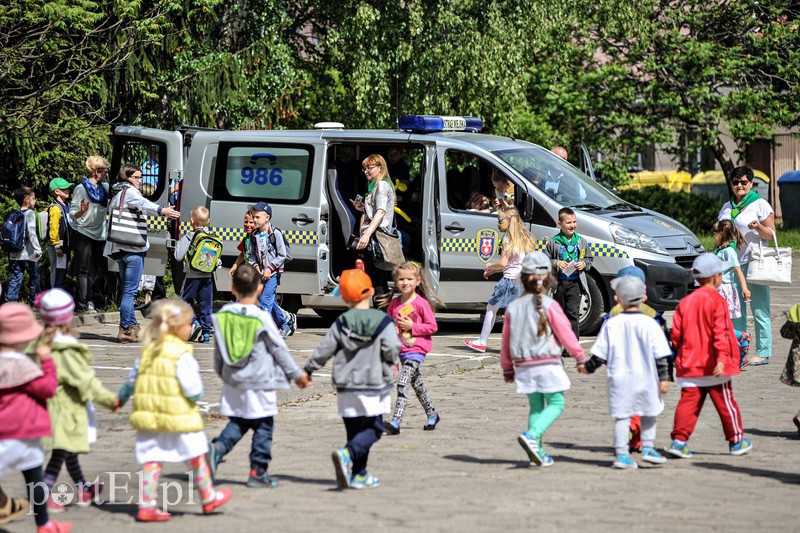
(413, 314)
(167, 385)
(791, 372)
(534, 330)
(70, 409)
(24, 391)
(727, 243)
(516, 243)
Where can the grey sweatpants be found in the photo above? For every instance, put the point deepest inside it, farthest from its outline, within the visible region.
(622, 428)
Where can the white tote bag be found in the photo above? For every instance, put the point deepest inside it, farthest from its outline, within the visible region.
(770, 266)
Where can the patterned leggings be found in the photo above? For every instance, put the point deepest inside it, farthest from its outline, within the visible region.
(152, 471)
(410, 374)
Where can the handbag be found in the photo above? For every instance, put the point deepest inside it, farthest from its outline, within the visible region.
(386, 251)
(770, 266)
(127, 226)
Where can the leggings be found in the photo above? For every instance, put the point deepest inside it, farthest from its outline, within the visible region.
(545, 409)
(622, 428)
(38, 494)
(58, 458)
(410, 375)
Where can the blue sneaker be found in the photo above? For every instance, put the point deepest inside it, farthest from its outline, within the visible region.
(196, 331)
(292, 319)
(533, 447)
(652, 456)
(741, 447)
(391, 428)
(679, 449)
(261, 480)
(344, 467)
(205, 338)
(213, 458)
(625, 462)
(367, 481)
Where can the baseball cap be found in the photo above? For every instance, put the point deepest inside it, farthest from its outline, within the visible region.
(60, 183)
(632, 271)
(706, 265)
(629, 289)
(56, 307)
(261, 206)
(17, 324)
(355, 286)
(536, 263)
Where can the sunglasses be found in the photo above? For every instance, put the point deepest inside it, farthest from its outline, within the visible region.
(739, 182)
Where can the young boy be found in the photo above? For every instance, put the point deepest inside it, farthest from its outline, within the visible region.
(635, 349)
(27, 259)
(269, 258)
(572, 258)
(503, 191)
(365, 347)
(58, 232)
(197, 285)
(253, 361)
(706, 357)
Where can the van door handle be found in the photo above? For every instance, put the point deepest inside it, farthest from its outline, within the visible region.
(454, 227)
(302, 220)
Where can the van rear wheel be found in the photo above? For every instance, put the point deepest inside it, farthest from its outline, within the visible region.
(593, 306)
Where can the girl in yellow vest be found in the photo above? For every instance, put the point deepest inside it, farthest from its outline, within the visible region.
(166, 385)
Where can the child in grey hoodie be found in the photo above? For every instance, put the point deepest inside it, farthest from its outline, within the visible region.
(253, 361)
(364, 346)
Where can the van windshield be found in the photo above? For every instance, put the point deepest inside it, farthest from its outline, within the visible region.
(560, 180)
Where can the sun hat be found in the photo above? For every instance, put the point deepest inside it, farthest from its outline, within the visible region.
(17, 324)
(629, 289)
(56, 307)
(706, 265)
(355, 286)
(536, 263)
(60, 183)
(261, 206)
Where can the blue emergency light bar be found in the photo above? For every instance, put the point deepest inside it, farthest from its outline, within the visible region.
(428, 123)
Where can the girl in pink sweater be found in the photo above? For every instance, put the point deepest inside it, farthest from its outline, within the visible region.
(413, 314)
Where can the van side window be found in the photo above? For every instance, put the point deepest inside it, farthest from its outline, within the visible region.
(146, 156)
(269, 172)
(475, 185)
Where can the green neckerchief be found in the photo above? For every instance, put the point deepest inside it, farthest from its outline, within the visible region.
(374, 183)
(731, 244)
(748, 199)
(570, 245)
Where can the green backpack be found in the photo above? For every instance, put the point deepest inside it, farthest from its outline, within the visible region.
(205, 252)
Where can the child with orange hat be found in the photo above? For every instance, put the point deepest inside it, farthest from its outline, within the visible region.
(364, 347)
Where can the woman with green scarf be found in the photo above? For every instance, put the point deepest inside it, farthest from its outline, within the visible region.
(755, 219)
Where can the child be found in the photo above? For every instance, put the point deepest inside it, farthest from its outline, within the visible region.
(269, 258)
(58, 232)
(27, 259)
(516, 243)
(572, 258)
(635, 349)
(706, 358)
(166, 382)
(503, 191)
(197, 285)
(77, 388)
(24, 391)
(479, 203)
(364, 347)
(534, 330)
(727, 243)
(413, 313)
(253, 361)
(791, 372)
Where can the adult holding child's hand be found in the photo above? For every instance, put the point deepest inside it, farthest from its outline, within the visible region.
(754, 217)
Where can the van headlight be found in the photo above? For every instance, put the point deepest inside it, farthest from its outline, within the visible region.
(635, 239)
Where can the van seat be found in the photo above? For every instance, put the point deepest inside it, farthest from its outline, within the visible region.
(348, 221)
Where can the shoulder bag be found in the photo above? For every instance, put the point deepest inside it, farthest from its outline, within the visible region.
(127, 226)
(770, 266)
(386, 251)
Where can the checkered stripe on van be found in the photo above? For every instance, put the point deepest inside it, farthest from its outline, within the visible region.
(606, 250)
(458, 245)
(237, 234)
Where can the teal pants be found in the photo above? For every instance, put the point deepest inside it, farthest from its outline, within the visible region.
(545, 409)
(759, 303)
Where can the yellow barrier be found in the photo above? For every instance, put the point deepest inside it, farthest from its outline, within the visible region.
(672, 180)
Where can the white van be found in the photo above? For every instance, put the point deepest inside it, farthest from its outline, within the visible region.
(309, 177)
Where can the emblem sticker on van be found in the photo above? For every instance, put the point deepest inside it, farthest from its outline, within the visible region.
(488, 243)
(664, 224)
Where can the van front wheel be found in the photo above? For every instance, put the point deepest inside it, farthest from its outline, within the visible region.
(593, 306)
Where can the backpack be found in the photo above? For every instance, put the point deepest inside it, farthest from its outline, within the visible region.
(273, 242)
(12, 237)
(204, 253)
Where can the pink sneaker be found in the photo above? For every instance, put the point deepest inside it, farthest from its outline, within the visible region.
(473, 345)
(86, 497)
(53, 507)
(55, 527)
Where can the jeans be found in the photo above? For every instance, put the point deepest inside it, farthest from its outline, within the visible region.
(260, 450)
(202, 290)
(268, 301)
(18, 269)
(362, 433)
(130, 266)
(88, 258)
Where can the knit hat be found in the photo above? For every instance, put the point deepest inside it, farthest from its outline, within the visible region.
(536, 263)
(355, 286)
(56, 307)
(17, 324)
(632, 271)
(706, 265)
(629, 289)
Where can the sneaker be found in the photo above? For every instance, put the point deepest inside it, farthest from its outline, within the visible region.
(432, 421)
(221, 497)
(473, 345)
(344, 467)
(533, 447)
(741, 447)
(391, 428)
(88, 494)
(679, 449)
(285, 329)
(90, 308)
(53, 507)
(196, 331)
(55, 527)
(367, 481)
(205, 338)
(292, 323)
(151, 514)
(625, 462)
(213, 458)
(652, 456)
(261, 481)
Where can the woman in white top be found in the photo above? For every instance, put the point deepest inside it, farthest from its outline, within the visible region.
(755, 219)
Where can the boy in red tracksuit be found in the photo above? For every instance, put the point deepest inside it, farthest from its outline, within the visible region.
(706, 357)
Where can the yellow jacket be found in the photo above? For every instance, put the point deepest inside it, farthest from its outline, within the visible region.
(158, 402)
